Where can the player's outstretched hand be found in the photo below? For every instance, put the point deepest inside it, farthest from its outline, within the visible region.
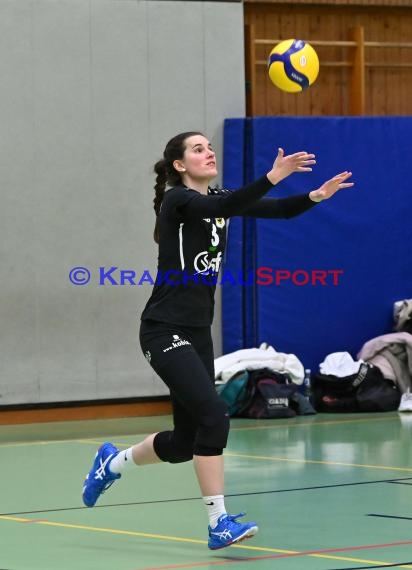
(286, 165)
(330, 187)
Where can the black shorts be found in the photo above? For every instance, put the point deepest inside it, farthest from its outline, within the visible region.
(163, 343)
(183, 358)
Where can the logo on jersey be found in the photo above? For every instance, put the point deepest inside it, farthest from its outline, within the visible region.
(177, 342)
(204, 262)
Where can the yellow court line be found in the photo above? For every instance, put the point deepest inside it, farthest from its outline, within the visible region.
(262, 425)
(60, 441)
(315, 423)
(39, 442)
(257, 457)
(135, 533)
(96, 442)
(286, 459)
(188, 540)
(316, 462)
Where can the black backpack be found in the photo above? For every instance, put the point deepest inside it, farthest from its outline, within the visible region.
(366, 391)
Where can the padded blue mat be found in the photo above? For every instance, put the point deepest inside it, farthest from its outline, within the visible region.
(365, 233)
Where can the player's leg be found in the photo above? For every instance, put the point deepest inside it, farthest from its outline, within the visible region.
(174, 446)
(224, 529)
(201, 426)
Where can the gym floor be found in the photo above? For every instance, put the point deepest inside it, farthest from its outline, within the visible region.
(328, 492)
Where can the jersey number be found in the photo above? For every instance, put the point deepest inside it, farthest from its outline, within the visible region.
(215, 236)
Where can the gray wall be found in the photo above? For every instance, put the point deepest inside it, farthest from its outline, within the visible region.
(91, 92)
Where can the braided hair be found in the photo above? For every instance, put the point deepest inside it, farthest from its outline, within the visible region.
(166, 174)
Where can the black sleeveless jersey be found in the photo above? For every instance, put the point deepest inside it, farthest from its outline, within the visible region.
(192, 239)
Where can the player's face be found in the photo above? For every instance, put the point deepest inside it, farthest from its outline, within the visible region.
(199, 159)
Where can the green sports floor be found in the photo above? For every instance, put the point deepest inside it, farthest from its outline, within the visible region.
(328, 492)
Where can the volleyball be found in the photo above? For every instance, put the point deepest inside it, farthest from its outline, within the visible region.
(293, 65)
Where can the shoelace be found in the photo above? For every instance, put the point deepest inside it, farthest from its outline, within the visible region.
(233, 518)
(225, 534)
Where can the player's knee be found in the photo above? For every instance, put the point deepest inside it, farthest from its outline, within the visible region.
(171, 448)
(213, 426)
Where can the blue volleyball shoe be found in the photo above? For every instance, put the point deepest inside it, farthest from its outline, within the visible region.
(228, 531)
(99, 478)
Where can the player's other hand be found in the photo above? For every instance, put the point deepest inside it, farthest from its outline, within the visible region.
(330, 187)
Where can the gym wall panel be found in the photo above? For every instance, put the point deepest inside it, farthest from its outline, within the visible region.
(92, 91)
(120, 107)
(17, 309)
(61, 198)
(175, 66)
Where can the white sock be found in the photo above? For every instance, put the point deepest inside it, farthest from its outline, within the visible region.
(215, 506)
(122, 462)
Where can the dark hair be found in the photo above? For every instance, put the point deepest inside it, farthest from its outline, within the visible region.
(166, 173)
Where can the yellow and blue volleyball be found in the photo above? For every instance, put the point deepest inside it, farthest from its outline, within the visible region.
(293, 65)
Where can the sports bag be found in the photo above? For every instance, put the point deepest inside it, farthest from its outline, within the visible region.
(366, 391)
(270, 400)
(258, 394)
(235, 392)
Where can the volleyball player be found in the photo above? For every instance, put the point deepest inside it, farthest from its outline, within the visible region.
(175, 332)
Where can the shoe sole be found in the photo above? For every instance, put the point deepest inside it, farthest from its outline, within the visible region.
(250, 533)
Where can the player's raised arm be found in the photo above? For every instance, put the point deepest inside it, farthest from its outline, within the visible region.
(286, 165)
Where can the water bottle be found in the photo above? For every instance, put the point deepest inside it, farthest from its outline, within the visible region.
(307, 390)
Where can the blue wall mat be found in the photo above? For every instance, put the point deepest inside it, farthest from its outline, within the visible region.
(232, 295)
(364, 232)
